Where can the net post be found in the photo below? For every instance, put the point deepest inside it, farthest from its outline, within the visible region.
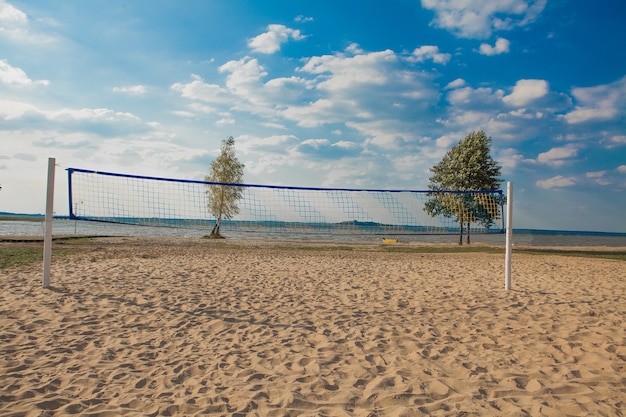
(47, 241)
(509, 235)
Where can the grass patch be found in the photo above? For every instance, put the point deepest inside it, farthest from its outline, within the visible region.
(435, 248)
(24, 253)
(19, 218)
(20, 256)
(442, 249)
(602, 253)
(617, 255)
(316, 248)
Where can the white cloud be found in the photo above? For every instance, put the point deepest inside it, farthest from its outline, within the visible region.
(366, 93)
(225, 121)
(526, 91)
(13, 22)
(271, 41)
(596, 174)
(603, 102)
(556, 182)
(581, 115)
(284, 84)
(273, 125)
(15, 25)
(275, 141)
(510, 158)
(501, 47)
(323, 149)
(133, 90)
(315, 143)
(184, 114)
(10, 14)
(476, 108)
(11, 109)
(354, 49)
(285, 91)
(459, 82)
(199, 90)
(558, 156)
(302, 18)
(355, 90)
(201, 108)
(469, 120)
(17, 76)
(345, 144)
(348, 72)
(102, 121)
(479, 18)
(312, 115)
(599, 177)
(617, 140)
(621, 169)
(521, 113)
(431, 52)
(273, 150)
(244, 76)
(446, 141)
(97, 114)
(472, 97)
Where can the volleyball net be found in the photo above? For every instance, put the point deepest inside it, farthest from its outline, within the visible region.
(267, 209)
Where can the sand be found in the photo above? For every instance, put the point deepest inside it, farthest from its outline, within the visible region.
(193, 327)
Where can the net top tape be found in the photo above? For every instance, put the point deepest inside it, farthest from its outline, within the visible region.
(283, 187)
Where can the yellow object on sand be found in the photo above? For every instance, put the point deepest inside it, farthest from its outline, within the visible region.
(387, 240)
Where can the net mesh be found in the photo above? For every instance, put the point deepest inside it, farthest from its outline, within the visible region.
(166, 202)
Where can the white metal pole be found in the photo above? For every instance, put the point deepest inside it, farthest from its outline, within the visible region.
(509, 235)
(47, 241)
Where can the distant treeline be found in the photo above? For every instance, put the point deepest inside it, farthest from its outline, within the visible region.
(4, 216)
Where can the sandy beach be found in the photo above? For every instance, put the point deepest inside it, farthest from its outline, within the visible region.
(194, 327)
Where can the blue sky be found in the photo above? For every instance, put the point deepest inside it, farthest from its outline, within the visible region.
(320, 93)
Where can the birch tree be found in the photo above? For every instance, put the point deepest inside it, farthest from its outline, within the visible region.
(223, 194)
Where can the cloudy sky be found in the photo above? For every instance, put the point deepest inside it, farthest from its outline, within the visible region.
(366, 94)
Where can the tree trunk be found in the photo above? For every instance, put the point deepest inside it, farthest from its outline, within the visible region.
(216, 229)
(468, 232)
(461, 232)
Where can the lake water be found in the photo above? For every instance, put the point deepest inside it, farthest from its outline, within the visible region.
(520, 237)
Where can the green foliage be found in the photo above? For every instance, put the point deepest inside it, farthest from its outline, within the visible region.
(225, 169)
(467, 166)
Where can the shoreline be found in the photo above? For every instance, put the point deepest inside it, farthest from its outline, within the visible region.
(521, 237)
(40, 218)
